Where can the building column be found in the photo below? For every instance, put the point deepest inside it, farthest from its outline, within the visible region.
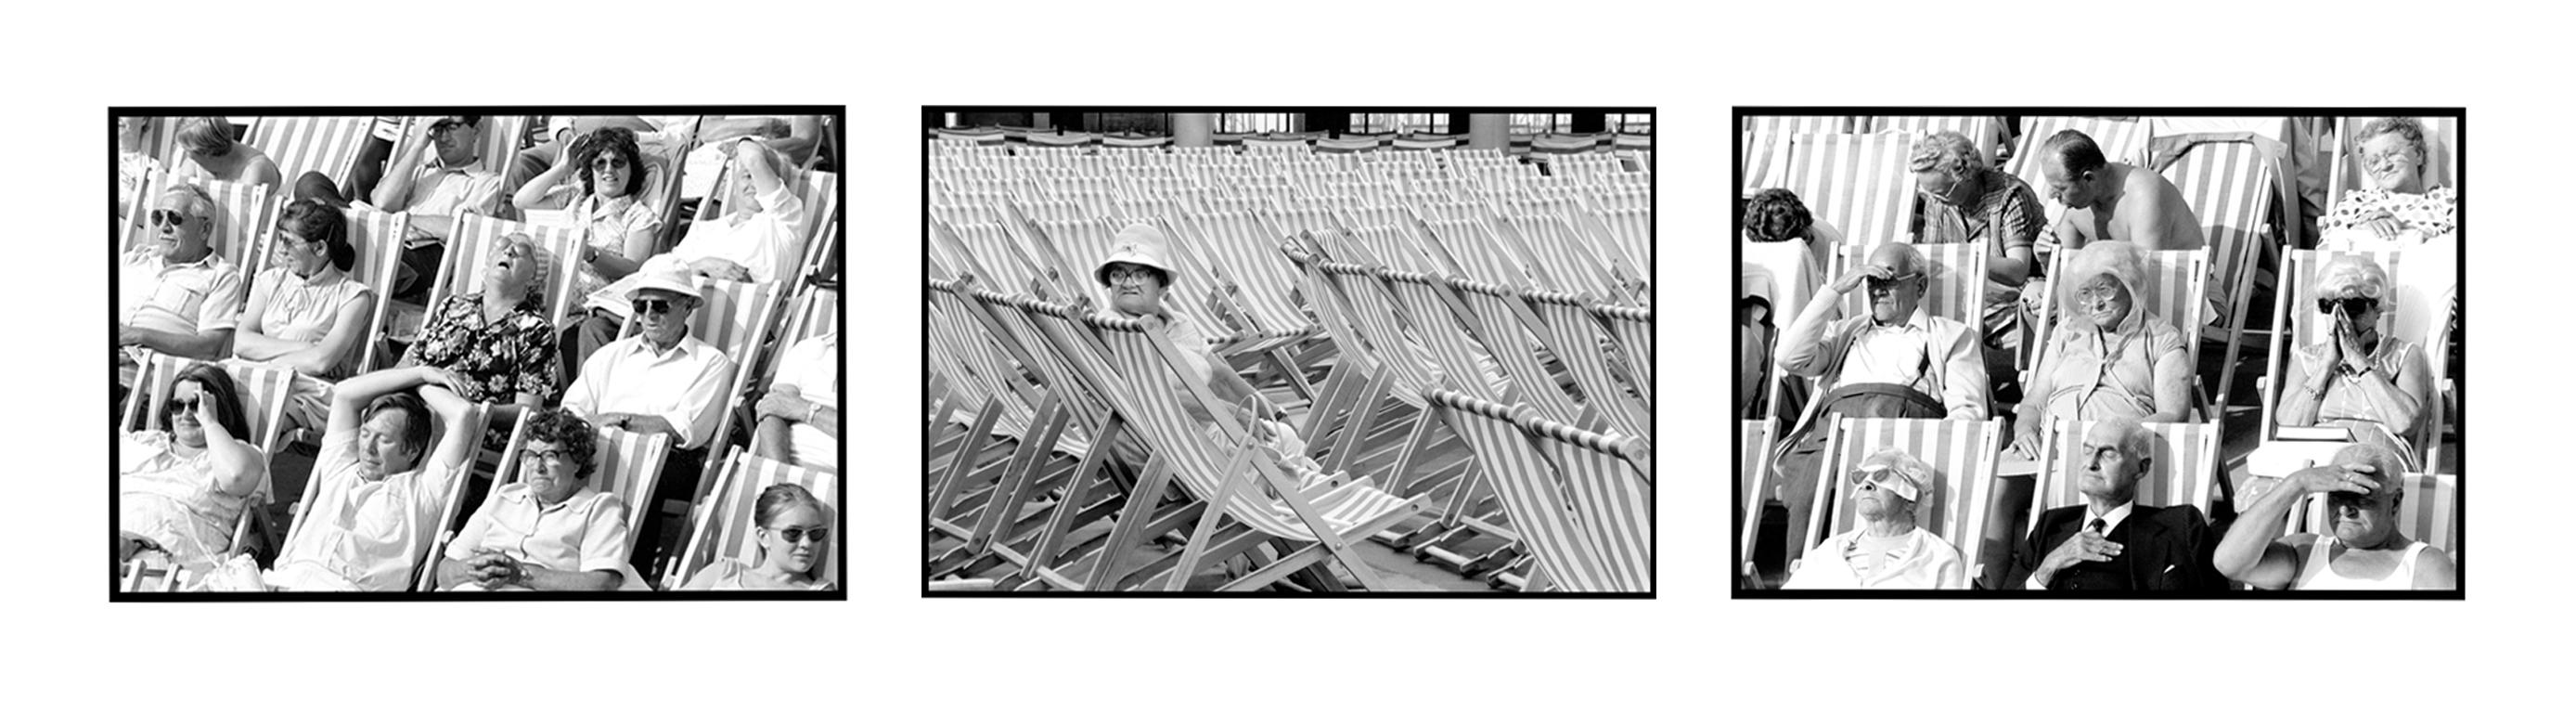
(1193, 129)
(1489, 131)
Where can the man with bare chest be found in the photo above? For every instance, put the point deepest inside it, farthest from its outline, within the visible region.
(2113, 201)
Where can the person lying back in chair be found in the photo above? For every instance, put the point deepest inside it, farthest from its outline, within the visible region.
(2113, 201)
(1898, 361)
(1885, 549)
(551, 530)
(2112, 542)
(382, 490)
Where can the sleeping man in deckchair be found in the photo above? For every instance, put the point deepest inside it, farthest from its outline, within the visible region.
(1898, 361)
(2113, 201)
(381, 487)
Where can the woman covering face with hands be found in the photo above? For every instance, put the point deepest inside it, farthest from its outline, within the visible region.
(2374, 385)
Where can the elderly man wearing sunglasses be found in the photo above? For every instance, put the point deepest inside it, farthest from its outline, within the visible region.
(1885, 550)
(550, 531)
(174, 293)
(1898, 361)
(660, 380)
(2374, 385)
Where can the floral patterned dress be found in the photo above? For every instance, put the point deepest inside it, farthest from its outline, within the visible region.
(499, 360)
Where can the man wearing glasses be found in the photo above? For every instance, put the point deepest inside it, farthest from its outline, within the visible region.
(2112, 542)
(445, 173)
(1898, 361)
(1968, 201)
(175, 294)
(661, 380)
(550, 531)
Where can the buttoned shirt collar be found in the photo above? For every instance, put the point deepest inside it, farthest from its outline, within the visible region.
(2110, 520)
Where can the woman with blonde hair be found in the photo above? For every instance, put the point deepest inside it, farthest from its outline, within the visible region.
(2112, 356)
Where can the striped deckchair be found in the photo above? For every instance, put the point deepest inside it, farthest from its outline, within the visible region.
(1856, 182)
(2233, 182)
(2122, 139)
(993, 255)
(736, 319)
(1632, 230)
(1962, 455)
(243, 216)
(1987, 132)
(725, 522)
(327, 145)
(1548, 518)
(1477, 251)
(981, 462)
(1513, 334)
(2295, 305)
(263, 391)
(1319, 518)
(1584, 346)
(1611, 480)
(1956, 290)
(378, 238)
(471, 250)
(1435, 312)
(1256, 277)
(1753, 445)
(1766, 145)
(1634, 330)
(629, 464)
(2186, 461)
(1561, 259)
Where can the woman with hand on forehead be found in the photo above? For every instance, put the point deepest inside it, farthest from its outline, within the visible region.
(2377, 386)
(182, 485)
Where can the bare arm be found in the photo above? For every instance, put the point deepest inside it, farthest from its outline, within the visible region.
(456, 447)
(391, 192)
(347, 332)
(240, 465)
(1963, 381)
(533, 195)
(2249, 554)
(2302, 392)
(208, 345)
(2172, 382)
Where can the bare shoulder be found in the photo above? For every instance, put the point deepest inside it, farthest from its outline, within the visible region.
(2434, 570)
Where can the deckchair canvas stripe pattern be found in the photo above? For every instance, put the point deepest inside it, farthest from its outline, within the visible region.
(325, 144)
(1856, 182)
(1961, 453)
(2185, 460)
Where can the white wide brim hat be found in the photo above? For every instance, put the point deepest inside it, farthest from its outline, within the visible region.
(1137, 244)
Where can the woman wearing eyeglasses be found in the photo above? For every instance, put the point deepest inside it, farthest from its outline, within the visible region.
(1885, 550)
(2401, 203)
(181, 485)
(794, 535)
(2376, 386)
(2112, 357)
(549, 531)
(607, 204)
(306, 312)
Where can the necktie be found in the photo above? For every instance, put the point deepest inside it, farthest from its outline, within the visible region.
(2097, 525)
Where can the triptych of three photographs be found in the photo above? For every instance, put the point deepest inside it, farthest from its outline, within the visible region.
(593, 353)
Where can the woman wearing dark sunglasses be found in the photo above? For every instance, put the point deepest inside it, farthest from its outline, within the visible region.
(181, 485)
(794, 535)
(607, 204)
(2374, 385)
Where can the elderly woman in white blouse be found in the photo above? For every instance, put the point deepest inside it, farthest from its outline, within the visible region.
(1886, 550)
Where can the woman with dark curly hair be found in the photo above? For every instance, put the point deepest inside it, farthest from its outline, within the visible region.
(550, 531)
(184, 482)
(498, 339)
(607, 205)
(305, 312)
(1775, 279)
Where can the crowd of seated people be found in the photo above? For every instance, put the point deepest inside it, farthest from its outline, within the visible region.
(405, 448)
(2111, 357)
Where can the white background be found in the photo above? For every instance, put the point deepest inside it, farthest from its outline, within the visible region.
(65, 646)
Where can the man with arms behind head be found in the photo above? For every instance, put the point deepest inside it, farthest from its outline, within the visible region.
(2113, 201)
(382, 490)
(2112, 542)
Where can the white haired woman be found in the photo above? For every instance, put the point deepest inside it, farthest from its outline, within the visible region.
(2376, 386)
(2113, 357)
(1885, 550)
(2401, 203)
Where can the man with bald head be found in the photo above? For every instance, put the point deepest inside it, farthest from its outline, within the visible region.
(1898, 361)
(2112, 542)
(2113, 201)
(2362, 547)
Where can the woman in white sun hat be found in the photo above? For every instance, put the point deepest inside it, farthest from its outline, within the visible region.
(1138, 274)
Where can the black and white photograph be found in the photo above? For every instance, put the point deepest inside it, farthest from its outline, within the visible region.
(1409, 350)
(516, 352)
(2129, 352)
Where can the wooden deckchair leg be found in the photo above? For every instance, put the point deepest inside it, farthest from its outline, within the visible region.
(1077, 496)
(1128, 530)
(1208, 519)
(962, 463)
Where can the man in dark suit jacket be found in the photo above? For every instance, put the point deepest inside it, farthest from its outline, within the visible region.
(2111, 542)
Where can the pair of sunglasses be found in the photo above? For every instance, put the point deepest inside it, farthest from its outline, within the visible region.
(1889, 283)
(181, 404)
(808, 534)
(655, 306)
(172, 218)
(2350, 305)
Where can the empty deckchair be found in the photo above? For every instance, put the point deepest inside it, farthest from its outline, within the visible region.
(1565, 538)
(1987, 132)
(1856, 182)
(1766, 145)
(327, 145)
(2233, 183)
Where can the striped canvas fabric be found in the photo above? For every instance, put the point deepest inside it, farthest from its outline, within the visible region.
(1961, 453)
(1534, 496)
(1856, 182)
(1580, 343)
(504, 469)
(1479, 251)
(1499, 326)
(1956, 290)
(1754, 438)
(1634, 329)
(1613, 495)
(264, 392)
(1767, 145)
(378, 238)
(1243, 250)
(2122, 140)
(628, 465)
(727, 530)
(1387, 344)
(325, 144)
(1984, 131)
(1565, 258)
(1457, 360)
(973, 364)
(157, 376)
(2186, 466)
(2232, 186)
